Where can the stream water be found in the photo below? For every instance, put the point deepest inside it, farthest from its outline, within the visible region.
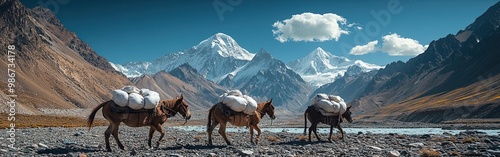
(405, 131)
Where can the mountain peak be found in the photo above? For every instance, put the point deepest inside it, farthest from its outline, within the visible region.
(222, 35)
(262, 54)
(320, 67)
(225, 46)
(319, 54)
(319, 50)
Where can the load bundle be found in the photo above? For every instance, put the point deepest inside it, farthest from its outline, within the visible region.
(136, 98)
(329, 105)
(238, 102)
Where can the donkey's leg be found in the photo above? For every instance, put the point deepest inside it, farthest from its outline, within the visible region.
(315, 130)
(222, 132)
(211, 129)
(257, 139)
(151, 132)
(107, 134)
(251, 133)
(310, 130)
(162, 132)
(331, 132)
(115, 135)
(341, 131)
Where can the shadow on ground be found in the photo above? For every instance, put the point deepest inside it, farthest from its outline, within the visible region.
(66, 150)
(194, 147)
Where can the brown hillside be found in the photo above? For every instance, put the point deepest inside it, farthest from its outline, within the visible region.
(53, 68)
(479, 100)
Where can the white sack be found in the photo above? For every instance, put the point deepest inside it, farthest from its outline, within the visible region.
(235, 93)
(120, 97)
(221, 97)
(318, 97)
(135, 101)
(343, 107)
(335, 98)
(251, 105)
(131, 89)
(237, 104)
(151, 99)
(144, 90)
(328, 105)
(331, 104)
(340, 101)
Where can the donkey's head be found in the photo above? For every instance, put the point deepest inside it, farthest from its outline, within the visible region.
(347, 114)
(182, 107)
(269, 109)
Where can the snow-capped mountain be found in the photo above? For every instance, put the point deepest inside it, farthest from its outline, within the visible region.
(320, 67)
(221, 60)
(214, 58)
(266, 77)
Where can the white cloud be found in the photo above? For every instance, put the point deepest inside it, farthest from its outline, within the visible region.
(310, 27)
(355, 25)
(364, 49)
(395, 45)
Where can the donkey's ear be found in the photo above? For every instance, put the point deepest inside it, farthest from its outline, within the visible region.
(348, 108)
(271, 101)
(181, 97)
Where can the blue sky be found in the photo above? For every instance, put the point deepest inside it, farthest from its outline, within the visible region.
(127, 31)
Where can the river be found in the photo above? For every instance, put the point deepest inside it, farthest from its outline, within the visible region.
(405, 131)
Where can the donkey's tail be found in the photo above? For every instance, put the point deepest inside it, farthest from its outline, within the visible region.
(209, 123)
(305, 120)
(90, 120)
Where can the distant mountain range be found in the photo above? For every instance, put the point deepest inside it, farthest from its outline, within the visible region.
(220, 56)
(214, 58)
(320, 67)
(221, 60)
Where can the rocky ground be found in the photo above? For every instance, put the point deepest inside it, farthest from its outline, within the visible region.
(56, 141)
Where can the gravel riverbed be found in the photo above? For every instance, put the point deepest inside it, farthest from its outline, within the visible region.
(81, 142)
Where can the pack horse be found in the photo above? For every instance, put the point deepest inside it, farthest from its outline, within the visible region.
(330, 110)
(223, 112)
(154, 118)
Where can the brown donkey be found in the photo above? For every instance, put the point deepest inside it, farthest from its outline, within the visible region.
(316, 117)
(216, 114)
(165, 109)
